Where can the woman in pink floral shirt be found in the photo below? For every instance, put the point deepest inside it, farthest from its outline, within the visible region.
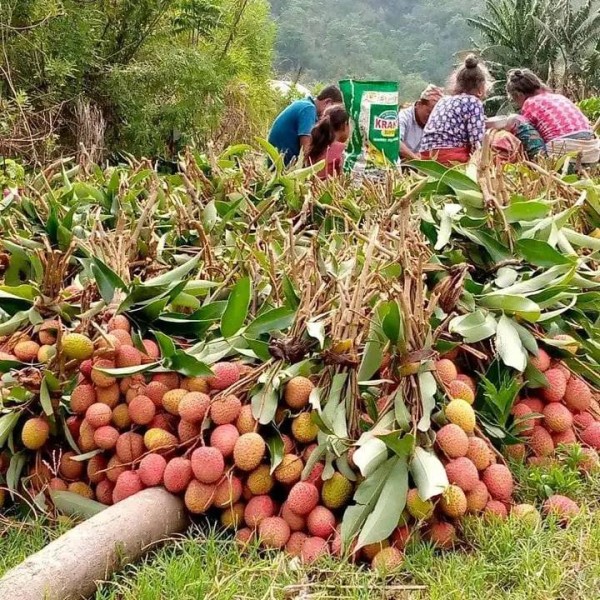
(564, 128)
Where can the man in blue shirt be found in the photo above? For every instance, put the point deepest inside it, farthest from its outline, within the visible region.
(290, 132)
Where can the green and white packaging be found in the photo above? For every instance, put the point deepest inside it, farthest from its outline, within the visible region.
(375, 142)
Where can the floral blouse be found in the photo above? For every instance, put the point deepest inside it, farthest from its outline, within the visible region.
(456, 122)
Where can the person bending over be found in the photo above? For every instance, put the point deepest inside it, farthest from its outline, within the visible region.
(412, 121)
(456, 126)
(290, 132)
(328, 141)
(563, 127)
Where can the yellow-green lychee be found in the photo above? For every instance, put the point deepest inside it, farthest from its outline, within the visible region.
(77, 346)
(461, 413)
(35, 433)
(336, 491)
(419, 509)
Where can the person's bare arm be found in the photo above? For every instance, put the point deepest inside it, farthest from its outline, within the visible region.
(304, 143)
(406, 153)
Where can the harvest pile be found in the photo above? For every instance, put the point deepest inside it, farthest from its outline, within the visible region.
(322, 369)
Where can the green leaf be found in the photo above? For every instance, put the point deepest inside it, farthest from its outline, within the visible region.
(474, 327)
(428, 387)
(525, 308)
(273, 320)
(165, 343)
(392, 323)
(7, 424)
(174, 275)
(276, 448)
(401, 411)
(373, 352)
(273, 154)
(14, 323)
(554, 276)
(108, 281)
(399, 444)
(428, 473)
(509, 345)
(541, 254)
(535, 378)
(497, 251)
(188, 365)
(86, 456)
(127, 371)
(237, 308)
(15, 468)
(264, 404)
(526, 211)
(316, 330)
(290, 293)
(74, 505)
(388, 508)
(45, 399)
(369, 457)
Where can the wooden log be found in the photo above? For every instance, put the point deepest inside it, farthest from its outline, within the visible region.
(71, 567)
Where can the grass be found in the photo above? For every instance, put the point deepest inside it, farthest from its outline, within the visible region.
(499, 560)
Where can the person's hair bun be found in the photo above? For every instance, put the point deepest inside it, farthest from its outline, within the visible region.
(517, 73)
(471, 62)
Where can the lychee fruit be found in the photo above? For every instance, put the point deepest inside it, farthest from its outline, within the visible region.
(578, 396)
(442, 534)
(557, 385)
(151, 351)
(249, 451)
(194, 406)
(541, 442)
(142, 410)
(461, 391)
(304, 429)
(387, 560)
(257, 509)
(479, 453)
(516, 452)
(535, 404)
(156, 391)
(114, 468)
(77, 346)
(468, 380)
(591, 435)
(127, 485)
(495, 508)
(452, 441)
(461, 413)
(104, 492)
(527, 513)
(106, 437)
(588, 461)
(224, 438)
(98, 415)
(86, 441)
(225, 409)
(199, 497)
(297, 392)
(48, 332)
(463, 473)
(177, 475)
(188, 431)
(56, 484)
(68, 468)
(289, 470)
(246, 423)
(81, 489)
(336, 491)
(128, 356)
(35, 433)
(524, 418)
(196, 384)
(453, 502)
(82, 397)
(321, 522)
(477, 498)
(120, 417)
(571, 346)
(563, 508)
(557, 417)
(96, 469)
(151, 469)
(313, 549)
(119, 322)
(303, 498)
(295, 543)
(419, 509)
(159, 439)
(296, 522)
(273, 532)
(499, 482)
(583, 420)
(170, 380)
(542, 361)
(109, 395)
(371, 550)
(100, 378)
(225, 375)
(260, 481)
(208, 464)
(172, 399)
(565, 438)
(130, 447)
(446, 370)
(228, 491)
(233, 516)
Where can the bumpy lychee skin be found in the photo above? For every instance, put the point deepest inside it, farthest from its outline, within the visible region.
(557, 386)
(479, 453)
(336, 491)
(442, 534)
(297, 392)
(463, 473)
(142, 410)
(106, 437)
(260, 481)
(170, 380)
(130, 447)
(159, 440)
(304, 429)
(119, 322)
(387, 560)
(208, 464)
(453, 502)
(565, 438)
(104, 492)
(128, 484)
(128, 356)
(527, 513)
(86, 441)
(257, 509)
(419, 509)
(120, 417)
(151, 351)
(460, 390)
(114, 469)
(156, 391)
(109, 395)
(82, 397)
(223, 438)
(583, 420)
(289, 470)
(246, 423)
(496, 509)
(196, 384)
(48, 332)
(591, 436)
(446, 370)
(273, 532)
(578, 396)
(541, 361)
(477, 498)
(541, 442)
(56, 484)
(225, 375)
(225, 409)
(194, 406)
(69, 468)
(468, 380)
(452, 441)
(172, 399)
(188, 431)
(233, 516)
(499, 482)
(321, 522)
(77, 346)
(461, 413)
(589, 461)
(295, 543)
(199, 497)
(525, 418)
(96, 469)
(563, 508)
(98, 377)
(151, 469)
(249, 451)
(228, 491)
(313, 549)
(557, 417)
(303, 498)
(535, 404)
(81, 489)
(296, 522)
(98, 415)
(35, 433)
(177, 475)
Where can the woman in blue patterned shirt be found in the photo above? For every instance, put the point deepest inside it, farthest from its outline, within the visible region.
(457, 124)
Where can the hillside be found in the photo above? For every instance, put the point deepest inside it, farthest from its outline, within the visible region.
(410, 41)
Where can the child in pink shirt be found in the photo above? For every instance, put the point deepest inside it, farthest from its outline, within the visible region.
(328, 141)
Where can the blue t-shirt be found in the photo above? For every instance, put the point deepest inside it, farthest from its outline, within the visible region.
(296, 120)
